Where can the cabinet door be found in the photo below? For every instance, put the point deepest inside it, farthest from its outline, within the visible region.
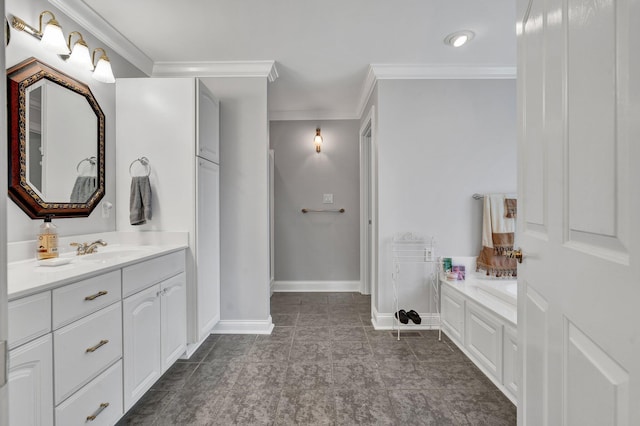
(208, 125)
(453, 314)
(483, 338)
(141, 343)
(207, 248)
(174, 319)
(31, 383)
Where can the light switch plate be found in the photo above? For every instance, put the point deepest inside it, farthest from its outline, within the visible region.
(327, 199)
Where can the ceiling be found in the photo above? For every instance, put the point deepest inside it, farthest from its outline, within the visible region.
(322, 48)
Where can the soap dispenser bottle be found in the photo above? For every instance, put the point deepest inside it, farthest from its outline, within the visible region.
(47, 240)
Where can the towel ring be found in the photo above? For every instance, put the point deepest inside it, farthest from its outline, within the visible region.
(91, 160)
(142, 160)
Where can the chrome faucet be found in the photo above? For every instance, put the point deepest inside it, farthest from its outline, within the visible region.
(88, 248)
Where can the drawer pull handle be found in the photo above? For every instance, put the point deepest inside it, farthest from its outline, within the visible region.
(95, 296)
(98, 411)
(96, 347)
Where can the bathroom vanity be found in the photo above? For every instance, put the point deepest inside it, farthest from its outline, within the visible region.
(89, 338)
(480, 317)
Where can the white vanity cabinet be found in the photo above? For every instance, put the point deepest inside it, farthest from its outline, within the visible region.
(489, 340)
(71, 344)
(175, 123)
(154, 322)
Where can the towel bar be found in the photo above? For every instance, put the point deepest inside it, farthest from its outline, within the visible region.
(323, 211)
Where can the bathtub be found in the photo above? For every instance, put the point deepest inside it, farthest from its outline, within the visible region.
(480, 316)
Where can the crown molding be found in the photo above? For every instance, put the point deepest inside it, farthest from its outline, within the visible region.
(453, 72)
(312, 115)
(424, 72)
(265, 69)
(101, 29)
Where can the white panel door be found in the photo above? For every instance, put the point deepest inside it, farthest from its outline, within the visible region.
(207, 246)
(141, 343)
(208, 124)
(173, 314)
(579, 204)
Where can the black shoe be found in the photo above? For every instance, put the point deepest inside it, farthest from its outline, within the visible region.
(413, 316)
(402, 316)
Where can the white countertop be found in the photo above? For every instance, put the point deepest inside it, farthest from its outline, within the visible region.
(27, 277)
(472, 288)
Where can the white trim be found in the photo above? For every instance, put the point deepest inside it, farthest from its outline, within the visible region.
(192, 348)
(312, 115)
(367, 197)
(271, 287)
(426, 71)
(86, 17)
(387, 321)
(243, 327)
(266, 69)
(286, 286)
(367, 89)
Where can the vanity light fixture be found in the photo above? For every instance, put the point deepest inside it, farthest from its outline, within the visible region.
(459, 38)
(51, 38)
(79, 52)
(317, 140)
(103, 72)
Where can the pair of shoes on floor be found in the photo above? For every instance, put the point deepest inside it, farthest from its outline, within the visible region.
(404, 316)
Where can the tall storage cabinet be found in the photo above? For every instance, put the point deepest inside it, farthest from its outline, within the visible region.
(174, 122)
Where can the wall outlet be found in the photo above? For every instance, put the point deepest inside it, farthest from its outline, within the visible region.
(327, 199)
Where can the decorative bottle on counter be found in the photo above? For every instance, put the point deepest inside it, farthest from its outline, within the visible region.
(47, 240)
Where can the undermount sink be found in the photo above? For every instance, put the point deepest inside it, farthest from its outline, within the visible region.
(106, 254)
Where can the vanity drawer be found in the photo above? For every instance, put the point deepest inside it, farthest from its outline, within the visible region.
(77, 300)
(84, 348)
(145, 274)
(29, 317)
(92, 400)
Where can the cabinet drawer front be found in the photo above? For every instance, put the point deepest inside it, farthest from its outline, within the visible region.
(92, 400)
(86, 347)
(29, 317)
(77, 300)
(145, 274)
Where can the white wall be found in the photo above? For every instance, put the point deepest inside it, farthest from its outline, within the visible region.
(244, 198)
(440, 141)
(316, 246)
(23, 46)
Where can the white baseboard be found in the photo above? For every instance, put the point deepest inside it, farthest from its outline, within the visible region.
(387, 321)
(243, 327)
(192, 348)
(287, 286)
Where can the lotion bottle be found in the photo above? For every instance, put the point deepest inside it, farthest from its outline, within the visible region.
(47, 240)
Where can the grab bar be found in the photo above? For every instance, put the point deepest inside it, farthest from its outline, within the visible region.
(323, 211)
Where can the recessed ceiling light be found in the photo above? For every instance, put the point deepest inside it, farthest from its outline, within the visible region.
(459, 38)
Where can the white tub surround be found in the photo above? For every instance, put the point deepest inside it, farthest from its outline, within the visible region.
(90, 337)
(480, 316)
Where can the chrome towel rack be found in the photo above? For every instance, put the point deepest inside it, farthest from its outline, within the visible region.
(323, 211)
(92, 161)
(145, 163)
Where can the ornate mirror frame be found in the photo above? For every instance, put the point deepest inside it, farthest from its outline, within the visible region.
(19, 78)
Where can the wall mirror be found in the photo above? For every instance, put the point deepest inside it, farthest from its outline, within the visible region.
(56, 142)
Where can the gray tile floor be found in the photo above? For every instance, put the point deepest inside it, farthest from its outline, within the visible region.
(324, 365)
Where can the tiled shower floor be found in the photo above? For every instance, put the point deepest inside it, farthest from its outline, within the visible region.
(324, 365)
